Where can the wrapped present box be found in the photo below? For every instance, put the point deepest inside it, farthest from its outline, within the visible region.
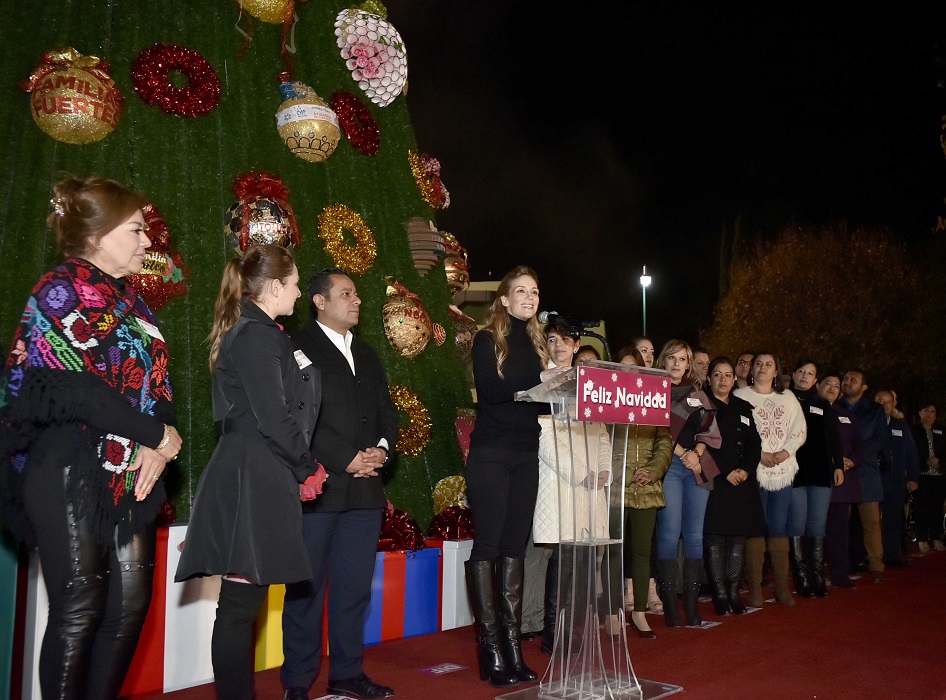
(405, 595)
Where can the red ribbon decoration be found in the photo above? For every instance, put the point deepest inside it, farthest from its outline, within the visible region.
(452, 523)
(399, 532)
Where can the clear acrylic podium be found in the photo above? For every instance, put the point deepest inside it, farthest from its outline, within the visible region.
(590, 655)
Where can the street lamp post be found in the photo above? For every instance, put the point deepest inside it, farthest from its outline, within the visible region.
(645, 282)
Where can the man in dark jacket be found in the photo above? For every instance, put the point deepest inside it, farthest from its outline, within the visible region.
(900, 472)
(875, 436)
(356, 430)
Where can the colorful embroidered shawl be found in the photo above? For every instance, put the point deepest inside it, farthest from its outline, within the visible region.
(81, 326)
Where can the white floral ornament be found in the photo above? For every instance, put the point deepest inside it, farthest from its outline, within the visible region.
(640, 383)
(630, 417)
(587, 413)
(374, 53)
(614, 376)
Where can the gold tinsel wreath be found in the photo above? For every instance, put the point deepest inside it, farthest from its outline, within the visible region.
(415, 436)
(356, 259)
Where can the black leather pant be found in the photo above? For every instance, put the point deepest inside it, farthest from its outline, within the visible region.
(98, 595)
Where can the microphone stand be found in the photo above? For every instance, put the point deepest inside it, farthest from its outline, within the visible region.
(592, 334)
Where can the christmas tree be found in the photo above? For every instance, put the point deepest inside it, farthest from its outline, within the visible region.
(190, 121)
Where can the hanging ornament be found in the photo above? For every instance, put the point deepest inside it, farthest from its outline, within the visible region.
(374, 53)
(74, 99)
(306, 124)
(426, 244)
(356, 259)
(426, 172)
(162, 276)
(262, 215)
(464, 329)
(455, 264)
(413, 438)
(269, 11)
(357, 123)
(406, 322)
(150, 76)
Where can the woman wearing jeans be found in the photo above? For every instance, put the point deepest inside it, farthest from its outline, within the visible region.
(693, 430)
(820, 469)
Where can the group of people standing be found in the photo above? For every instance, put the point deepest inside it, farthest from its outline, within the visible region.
(807, 471)
(306, 424)
(291, 494)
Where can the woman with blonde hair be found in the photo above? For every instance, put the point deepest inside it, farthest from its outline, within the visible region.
(694, 430)
(246, 522)
(502, 471)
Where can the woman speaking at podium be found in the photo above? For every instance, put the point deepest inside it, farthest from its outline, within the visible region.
(509, 355)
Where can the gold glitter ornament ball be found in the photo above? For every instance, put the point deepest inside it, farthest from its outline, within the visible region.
(75, 106)
(306, 124)
(271, 11)
(404, 325)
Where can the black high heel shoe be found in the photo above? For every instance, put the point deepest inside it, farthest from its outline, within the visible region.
(643, 634)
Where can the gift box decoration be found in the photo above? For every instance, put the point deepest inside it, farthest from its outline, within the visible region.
(405, 596)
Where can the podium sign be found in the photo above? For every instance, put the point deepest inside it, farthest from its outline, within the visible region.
(609, 396)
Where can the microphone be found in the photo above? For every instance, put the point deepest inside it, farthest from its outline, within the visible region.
(550, 316)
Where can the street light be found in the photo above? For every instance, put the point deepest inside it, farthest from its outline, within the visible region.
(645, 282)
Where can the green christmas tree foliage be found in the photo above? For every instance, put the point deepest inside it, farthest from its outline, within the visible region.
(186, 166)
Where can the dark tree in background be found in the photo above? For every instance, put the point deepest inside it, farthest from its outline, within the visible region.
(858, 298)
(187, 166)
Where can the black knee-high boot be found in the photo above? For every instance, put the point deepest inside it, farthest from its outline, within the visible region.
(510, 604)
(481, 587)
(126, 609)
(716, 567)
(667, 578)
(692, 573)
(231, 648)
(75, 616)
(735, 558)
(799, 563)
(816, 561)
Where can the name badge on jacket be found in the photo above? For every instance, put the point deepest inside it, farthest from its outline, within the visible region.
(816, 410)
(301, 359)
(744, 419)
(844, 419)
(896, 433)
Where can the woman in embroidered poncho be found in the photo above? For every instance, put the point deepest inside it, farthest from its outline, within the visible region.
(781, 424)
(85, 439)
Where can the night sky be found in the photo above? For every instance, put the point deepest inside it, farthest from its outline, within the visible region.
(590, 141)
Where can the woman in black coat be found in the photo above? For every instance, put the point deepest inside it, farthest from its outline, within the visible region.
(734, 509)
(246, 523)
(820, 469)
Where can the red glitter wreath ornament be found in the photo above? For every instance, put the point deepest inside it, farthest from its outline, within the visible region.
(357, 122)
(163, 275)
(150, 76)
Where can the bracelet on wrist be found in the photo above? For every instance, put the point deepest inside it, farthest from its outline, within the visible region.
(166, 440)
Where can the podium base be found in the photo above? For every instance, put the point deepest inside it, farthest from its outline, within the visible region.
(649, 690)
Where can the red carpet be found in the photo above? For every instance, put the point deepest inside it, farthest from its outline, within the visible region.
(884, 640)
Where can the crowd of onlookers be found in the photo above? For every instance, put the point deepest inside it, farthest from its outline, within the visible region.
(802, 474)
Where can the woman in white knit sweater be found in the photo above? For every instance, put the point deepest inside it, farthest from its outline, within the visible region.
(781, 424)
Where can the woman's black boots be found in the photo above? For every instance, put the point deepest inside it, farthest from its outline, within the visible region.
(511, 573)
(489, 652)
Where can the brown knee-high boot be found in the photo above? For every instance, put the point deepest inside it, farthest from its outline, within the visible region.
(778, 551)
(755, 557)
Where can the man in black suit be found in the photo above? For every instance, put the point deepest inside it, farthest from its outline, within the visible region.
(356, 430)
